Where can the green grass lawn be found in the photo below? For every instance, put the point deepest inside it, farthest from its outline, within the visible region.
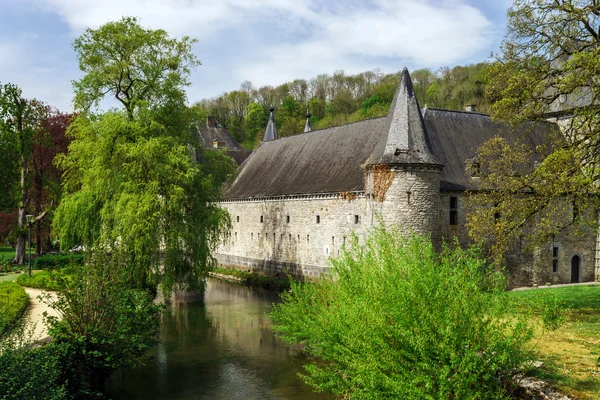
(8, 253)
(571, 354)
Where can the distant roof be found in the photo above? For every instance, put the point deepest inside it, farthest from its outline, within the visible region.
(216, 136)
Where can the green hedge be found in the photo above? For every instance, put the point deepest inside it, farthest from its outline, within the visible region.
(51, 261)
(13, 302)
(40, 280)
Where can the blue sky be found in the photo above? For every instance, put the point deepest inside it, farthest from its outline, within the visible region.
(265, 41)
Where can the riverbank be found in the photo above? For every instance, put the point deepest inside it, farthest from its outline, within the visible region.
(251, 279)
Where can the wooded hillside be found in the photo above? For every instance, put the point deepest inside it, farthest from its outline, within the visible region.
(338, 99)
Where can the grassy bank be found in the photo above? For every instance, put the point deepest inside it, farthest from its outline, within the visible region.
(571, 354)
(13, 303)
(256, 280)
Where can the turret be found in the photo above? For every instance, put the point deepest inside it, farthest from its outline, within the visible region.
(271, 131)
(403, 178)
(307, 126)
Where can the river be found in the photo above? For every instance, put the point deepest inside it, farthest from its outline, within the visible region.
(221, 348)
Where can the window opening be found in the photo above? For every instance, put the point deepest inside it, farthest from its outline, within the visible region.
(453, 210)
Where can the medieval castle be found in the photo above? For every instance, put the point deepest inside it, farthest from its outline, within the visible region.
(294, 201)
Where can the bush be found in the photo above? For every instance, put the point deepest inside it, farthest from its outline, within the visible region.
(398, 320)
(27, 373)
(105, 324)
(51, 261)
(41, 280)
(13, 303)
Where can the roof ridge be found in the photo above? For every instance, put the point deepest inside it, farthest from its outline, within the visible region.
(324, 129)
(456, 111)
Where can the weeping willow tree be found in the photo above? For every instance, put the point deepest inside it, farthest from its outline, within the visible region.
(130, 184)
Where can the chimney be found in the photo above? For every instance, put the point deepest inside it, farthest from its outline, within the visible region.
(211, 122)
(471, 108)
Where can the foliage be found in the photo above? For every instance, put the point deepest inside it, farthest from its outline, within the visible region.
(27, 373)
(139, 67)
(105, 325)
(548, 66)
(13, 302)
(130, 182)
(40, 280)
(21, 120)
(51, 261)
(398, 320)
(528, 192)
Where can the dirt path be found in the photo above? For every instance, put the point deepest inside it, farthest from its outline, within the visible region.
(35, 315)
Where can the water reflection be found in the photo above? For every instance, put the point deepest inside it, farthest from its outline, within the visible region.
(219, 349)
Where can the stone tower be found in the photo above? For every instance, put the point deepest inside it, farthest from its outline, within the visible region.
(403, 178)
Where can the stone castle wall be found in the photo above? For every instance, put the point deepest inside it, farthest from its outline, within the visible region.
(297, 234)
(291, 235)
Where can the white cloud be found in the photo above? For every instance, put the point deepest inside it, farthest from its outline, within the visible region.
(272, 41)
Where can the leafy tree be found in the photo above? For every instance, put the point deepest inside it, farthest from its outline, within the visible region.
(20, 121)
(396, 319)
(138, 67)
(256, 119)
(130, 183)
(548, 67)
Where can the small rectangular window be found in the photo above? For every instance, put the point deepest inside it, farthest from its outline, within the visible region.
(554, 258)
(453, 210)
(261, 219)
(318, 219)
(356, 219)
(252, 236)
(237, 219)
(290, 237)
(287, 219)
(307, 239)
(236, 236)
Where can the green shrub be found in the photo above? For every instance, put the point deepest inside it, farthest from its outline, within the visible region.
(13, 302)
(27, 373)
(398, 320)
(51, 261)
(41, 280)
(105, 324)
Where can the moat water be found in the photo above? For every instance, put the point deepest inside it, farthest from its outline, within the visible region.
(221, 348)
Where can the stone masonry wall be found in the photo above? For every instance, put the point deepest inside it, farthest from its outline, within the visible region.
(291, 235)
(411, 201)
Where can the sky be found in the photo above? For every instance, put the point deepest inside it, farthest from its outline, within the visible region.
(267, 42)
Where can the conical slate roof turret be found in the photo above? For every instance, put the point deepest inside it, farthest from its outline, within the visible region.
(271, 131)
(307, 126)
(407, 140)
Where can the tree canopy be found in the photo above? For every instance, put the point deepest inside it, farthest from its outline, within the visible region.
(548, 69)
(131, 184)
(134, 65)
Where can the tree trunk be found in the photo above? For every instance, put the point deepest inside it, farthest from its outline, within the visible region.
(21, 239)
(38, 238)
(21, 220)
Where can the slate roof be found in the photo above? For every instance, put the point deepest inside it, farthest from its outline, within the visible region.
(455, 135)
(322, 161)
(332, 160)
